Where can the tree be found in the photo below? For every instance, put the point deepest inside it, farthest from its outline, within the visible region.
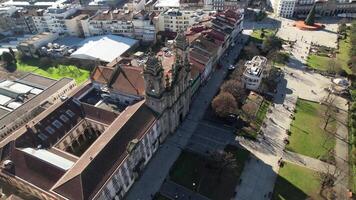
(224, 160)
(12, 52)
(278, 57)
(236, 88)
(224, 104)
(311, 16)
(271, 43)
(239, 70)
(342, 29)
(251, 50)
(331, 109)
(7, 58)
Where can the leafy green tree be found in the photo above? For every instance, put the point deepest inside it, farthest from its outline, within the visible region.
(7, 58)
(271, 43)
(342, 28)
(310, 20)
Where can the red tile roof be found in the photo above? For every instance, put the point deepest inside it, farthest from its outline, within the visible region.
(106, 154)
(134, 83)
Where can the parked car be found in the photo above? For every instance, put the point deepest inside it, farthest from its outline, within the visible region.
(231, 67)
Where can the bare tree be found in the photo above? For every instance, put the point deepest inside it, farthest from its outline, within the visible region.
(251, 50)
(328, 180)
(224, 104)
(224, 160)
(239, 70)
(236, 88)
(330, 110)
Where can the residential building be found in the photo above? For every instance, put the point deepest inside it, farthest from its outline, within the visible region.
(173, 20)
(95, 142)
(43, 4)
(256, 70)
(286, 8)
(30, 46)
(210, 39)
(53, 19)
(5, 18)
(125, 22)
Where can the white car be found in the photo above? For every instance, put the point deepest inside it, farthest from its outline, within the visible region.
(231, 67)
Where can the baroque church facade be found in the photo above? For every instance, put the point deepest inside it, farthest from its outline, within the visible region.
(169, 95)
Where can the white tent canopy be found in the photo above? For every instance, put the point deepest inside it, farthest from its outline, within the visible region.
(105, 48)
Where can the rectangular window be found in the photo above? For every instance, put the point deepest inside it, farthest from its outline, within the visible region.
(50, 130)
(64, 118)
(70, 113)
(57, 124)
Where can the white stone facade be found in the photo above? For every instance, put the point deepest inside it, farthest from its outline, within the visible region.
(254, 73)
(124, 176)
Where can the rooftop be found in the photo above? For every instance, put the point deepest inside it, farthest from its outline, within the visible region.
(255, 66)
(36, 38)
(117, 14)
(105, 48)
(128, 81)
(167, 3)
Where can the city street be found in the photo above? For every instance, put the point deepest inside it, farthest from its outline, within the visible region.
(158, 168)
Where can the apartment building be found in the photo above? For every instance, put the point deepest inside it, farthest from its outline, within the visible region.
(125, 22)
(256, 70)
(53, 19)
(210, 39)
(286, 8)
(5, 18)
(173, 20)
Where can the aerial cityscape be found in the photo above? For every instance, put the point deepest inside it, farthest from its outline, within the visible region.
(177, 99)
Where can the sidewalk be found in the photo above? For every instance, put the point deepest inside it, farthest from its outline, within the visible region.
(259, 174)
(308, 162)
(158, 168)
(341, 156)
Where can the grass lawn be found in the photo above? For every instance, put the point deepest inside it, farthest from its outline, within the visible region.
(308, 136)
(296, 183)
(191, 168)
(256, 34)
(70, 71)
(342, 57)
(262, 111)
